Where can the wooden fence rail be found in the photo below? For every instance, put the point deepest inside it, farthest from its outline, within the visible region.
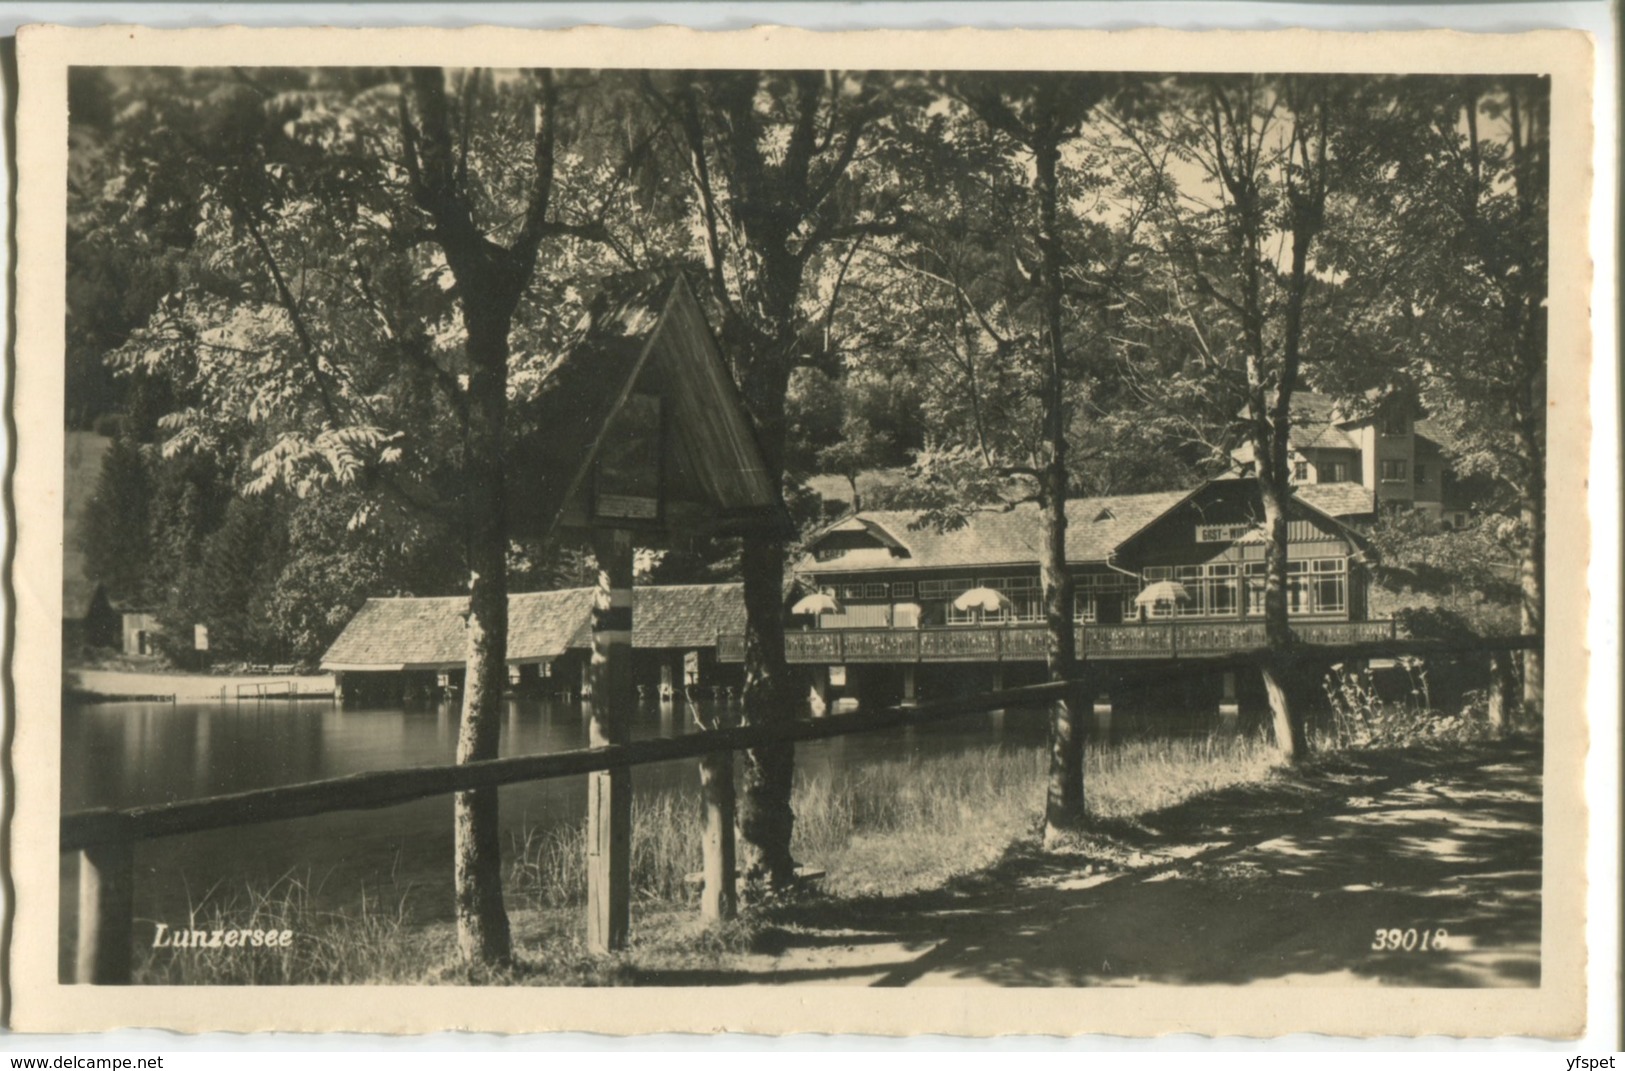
(104, 838)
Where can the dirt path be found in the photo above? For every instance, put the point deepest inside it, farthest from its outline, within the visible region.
(1283, 883)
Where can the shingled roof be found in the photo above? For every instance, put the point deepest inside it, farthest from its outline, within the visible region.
(428, 634)
(401, 634)
(542, 625)
(1344, 499)
(686, 616)
(1095, 527)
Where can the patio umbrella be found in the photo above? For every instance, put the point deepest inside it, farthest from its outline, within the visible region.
(816, 603)
(1162, 591)
(985, 599)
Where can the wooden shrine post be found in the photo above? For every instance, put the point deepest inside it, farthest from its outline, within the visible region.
(719, 893)
(642, 437)
(609, 793)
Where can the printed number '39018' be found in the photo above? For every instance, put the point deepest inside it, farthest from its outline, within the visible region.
(1411, 940)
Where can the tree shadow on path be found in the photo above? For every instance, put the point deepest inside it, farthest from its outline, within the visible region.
(1290, 881)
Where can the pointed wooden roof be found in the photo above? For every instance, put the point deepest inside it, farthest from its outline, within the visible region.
(645, 333)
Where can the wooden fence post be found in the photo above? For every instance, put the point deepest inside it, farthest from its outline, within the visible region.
(106, 894)
(719, 895)
(609, 793)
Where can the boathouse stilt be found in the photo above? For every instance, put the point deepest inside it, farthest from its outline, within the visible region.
(818, 695)
(1229, 705)
(609, 792)
(668, 679)
(911, 692)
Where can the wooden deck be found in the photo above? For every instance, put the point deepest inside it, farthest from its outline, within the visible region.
(1025, 643)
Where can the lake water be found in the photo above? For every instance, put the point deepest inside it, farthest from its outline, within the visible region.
(127, 754)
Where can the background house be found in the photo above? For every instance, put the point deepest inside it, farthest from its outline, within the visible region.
(1393, 451)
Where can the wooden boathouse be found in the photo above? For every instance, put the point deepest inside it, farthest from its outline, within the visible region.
(412, 649)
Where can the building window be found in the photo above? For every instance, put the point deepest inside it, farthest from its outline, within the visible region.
(862, 591)
(1334, 472)
(940, 589)
(1300, 471)
(1394, 423)
(904, 590)
(1329, 587)
(1313, 586)
(826, 552)
(1393, 471)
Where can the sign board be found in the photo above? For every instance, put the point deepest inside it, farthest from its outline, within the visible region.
(200, 637)
(691, 667)
(837, 676)
(627, 486)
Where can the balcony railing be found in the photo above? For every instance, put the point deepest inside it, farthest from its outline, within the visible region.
(1026, 643)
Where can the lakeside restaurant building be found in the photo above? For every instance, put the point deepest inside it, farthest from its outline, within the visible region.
(886, 571)
(894, 582)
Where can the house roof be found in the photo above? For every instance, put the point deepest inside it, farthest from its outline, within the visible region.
(543, 624)
(686, 616)
(1096, 528)
(392, 634)
(1013, 537)
(401, 634)
(78, 592)
(1344, 499)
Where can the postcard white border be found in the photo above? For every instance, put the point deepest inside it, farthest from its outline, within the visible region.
(1554, 1009)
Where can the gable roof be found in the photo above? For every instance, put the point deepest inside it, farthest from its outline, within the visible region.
(401, 634)
(543, 624)
(1014, 536)
(686, 616)
(428, 633)
(1344, 499)
(78, 594)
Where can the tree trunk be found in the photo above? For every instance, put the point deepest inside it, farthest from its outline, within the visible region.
(1063, 806)
(1532, 562)
(482, 923)
(1279, 670)
(765, 818)
(1503, 692)
(766, 775)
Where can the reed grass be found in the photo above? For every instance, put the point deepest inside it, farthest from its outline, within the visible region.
(882, 828)
(897, 825)
(375, 941)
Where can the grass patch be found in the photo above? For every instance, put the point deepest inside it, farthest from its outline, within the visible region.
(373, 942)
(885, 828)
